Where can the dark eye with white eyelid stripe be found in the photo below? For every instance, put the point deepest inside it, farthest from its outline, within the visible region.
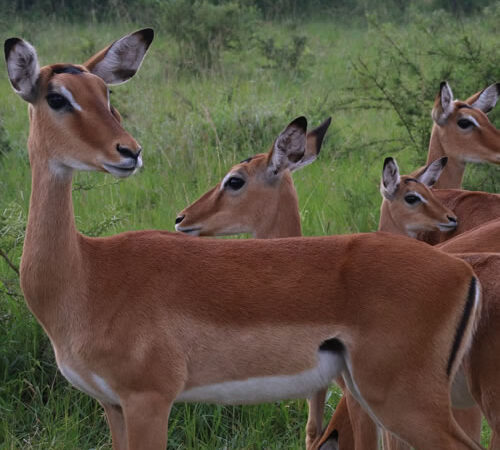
(465, 123)
(412, 199)
(234, 183)
(58, 101)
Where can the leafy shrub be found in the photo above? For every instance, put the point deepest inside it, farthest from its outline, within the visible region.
(286, 56)
(203, 29)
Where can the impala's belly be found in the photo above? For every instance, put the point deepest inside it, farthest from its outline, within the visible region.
(270, 388)
(90, 383)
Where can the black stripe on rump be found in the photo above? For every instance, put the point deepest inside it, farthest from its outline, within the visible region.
(462, 325)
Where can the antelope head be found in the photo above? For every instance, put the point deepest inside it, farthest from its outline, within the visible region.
(72, 122)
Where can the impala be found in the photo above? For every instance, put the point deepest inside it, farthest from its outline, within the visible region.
(143, 319)
(254, 197)
(411, 208)
(463, 133)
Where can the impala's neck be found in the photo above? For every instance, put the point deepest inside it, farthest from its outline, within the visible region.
(285, 216)
(387, 222)
(51, 260)
(453, 174)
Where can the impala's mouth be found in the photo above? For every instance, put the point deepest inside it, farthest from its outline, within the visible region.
(194, 231)
(447, 226)
(124, 169)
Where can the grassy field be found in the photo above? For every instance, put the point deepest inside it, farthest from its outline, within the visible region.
(193, 126)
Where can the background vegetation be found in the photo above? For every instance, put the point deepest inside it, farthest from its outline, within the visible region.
(219, 83)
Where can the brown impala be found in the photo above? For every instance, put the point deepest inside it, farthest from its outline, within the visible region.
(143, 319)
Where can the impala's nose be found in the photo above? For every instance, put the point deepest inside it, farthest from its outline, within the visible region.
(127, 152)
(453, 220)
(179, 219)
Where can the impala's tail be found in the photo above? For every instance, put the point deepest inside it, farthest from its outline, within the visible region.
(466, 326)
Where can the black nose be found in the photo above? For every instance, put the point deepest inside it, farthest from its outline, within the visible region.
(125, 151)
(452, 219)
(179, 219)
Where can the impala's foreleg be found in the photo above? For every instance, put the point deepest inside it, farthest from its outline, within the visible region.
(116, 423)
(146, 421)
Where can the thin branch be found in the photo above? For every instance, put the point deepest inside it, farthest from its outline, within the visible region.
(9, 262)
(387, 96)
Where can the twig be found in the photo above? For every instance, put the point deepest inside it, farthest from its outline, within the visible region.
(387, 96)
(9, 262)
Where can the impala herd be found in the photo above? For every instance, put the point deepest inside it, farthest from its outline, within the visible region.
(143, 319)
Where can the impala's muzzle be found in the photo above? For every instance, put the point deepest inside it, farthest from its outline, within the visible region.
(131, 160)
(193, 231)
(450, 226)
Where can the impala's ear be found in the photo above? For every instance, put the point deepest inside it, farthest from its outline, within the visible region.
(443, 105)
(431, 173)
(121, 60)
(22, 67)
(390, 178)
(314, 139)
(289, 147)
(486, 99)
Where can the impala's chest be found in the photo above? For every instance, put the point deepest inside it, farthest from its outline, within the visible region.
(90, 383)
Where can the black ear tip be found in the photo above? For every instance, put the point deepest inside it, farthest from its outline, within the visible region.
(9, 44)
(147, 34)
(442, 85)
(300, 122)
(444, 161)
(388, 160)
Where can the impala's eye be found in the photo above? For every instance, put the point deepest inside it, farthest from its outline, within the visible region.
(464, 123)
(57, 101)
(234, 183)
(412, 199)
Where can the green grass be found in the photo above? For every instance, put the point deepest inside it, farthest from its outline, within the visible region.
(193, 127)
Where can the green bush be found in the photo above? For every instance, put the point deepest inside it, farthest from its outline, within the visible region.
(203, 30)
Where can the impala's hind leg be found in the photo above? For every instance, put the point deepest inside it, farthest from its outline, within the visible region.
(315, 417)
(423, 420)
(469, 420)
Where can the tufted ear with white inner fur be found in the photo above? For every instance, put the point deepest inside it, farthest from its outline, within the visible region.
(22, 67)
(120, 61)
(443, 105)
(390, 178)
(314, 139)
(487, 98)
(289, 147)
(432, 172)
